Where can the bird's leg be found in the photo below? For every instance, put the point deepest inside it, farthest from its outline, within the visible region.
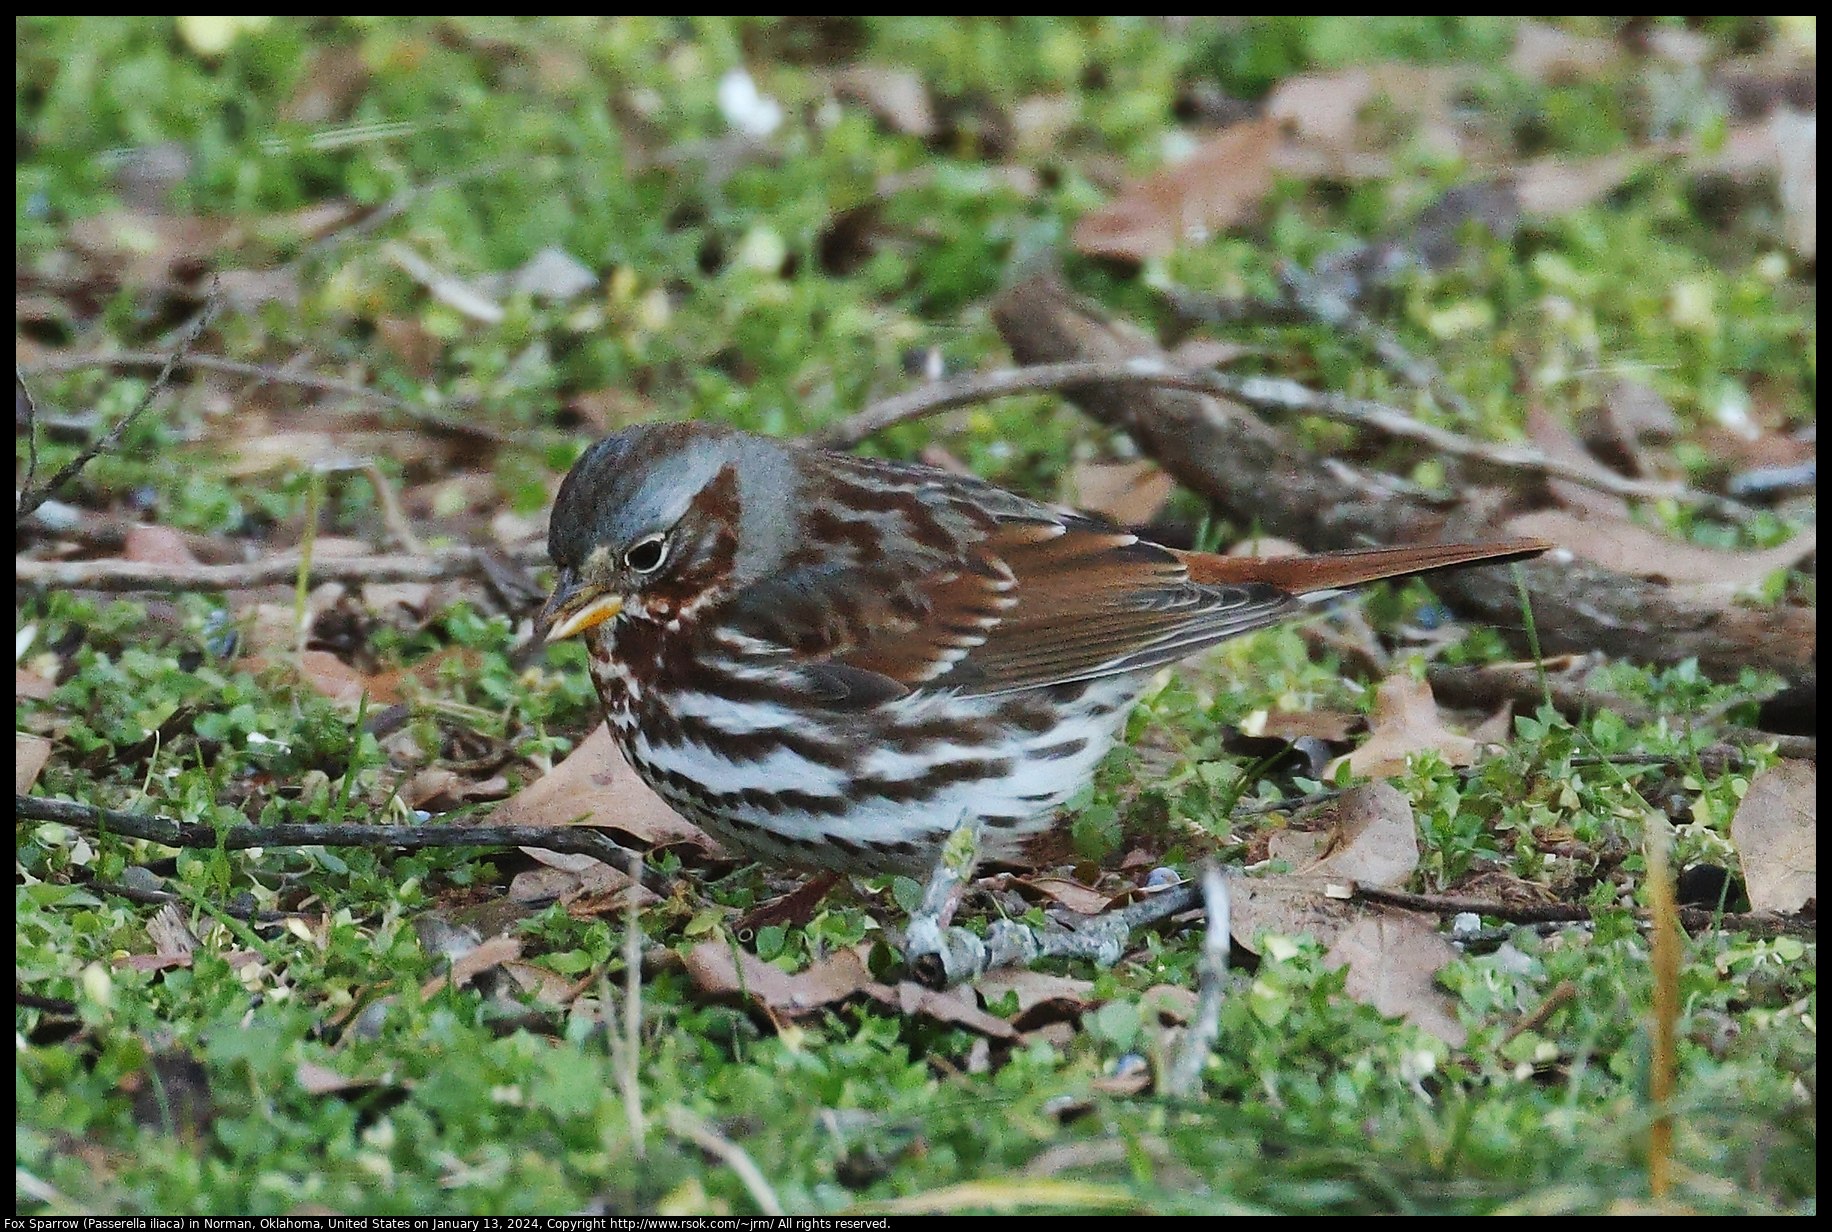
(940, 956)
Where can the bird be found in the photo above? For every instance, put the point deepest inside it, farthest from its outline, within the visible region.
(830, 661)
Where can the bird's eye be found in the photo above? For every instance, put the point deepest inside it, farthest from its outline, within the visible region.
(646, 554)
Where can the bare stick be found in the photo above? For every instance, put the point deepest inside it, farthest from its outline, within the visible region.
(578, 840)
(688, 1126)
(1262, 392)
(30, 500)
(267, 374)
(1212, 970)
(113, 575)
(1696, 919)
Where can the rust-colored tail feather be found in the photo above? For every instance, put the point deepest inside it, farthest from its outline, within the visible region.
(1337, 570)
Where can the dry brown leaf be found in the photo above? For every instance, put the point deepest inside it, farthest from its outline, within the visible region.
(157, 545)
(296, 450)
(1132, 1080)
(439, 790)
(1498, 728)
(599, 897)
(1776, 830)
(343, 684)
(1634, 415)
(316, 1079)
(492, 953)
(1392, 955)
(1066, 891)
(144, 248)
(170, 935)
(1169, 1002)
(1333, 726)
(715, 970)
(415, 598)
(246, 290)
(312, 222)
(1217, 187)
(897, 97)
(151, 963)
(1393, 959)
(29, 680)
(30, 753)
(586, 885)
(1374, 839)
(1622, 547)
(415, 347)
(954, 1006)
(595, 786)
(548, 986)
(1405, 721)
(1559, 443)
(1546, 53)
(1746, 153)
(544, 885)
(267, 629)
(1556, 185)
(842, 975)
(1320, 115)
(1034, 988)
(1130, 493)
(329, 88)
(1039, 123)
(1288, 906)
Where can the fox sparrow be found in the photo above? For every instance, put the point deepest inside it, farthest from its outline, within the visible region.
(832, 660)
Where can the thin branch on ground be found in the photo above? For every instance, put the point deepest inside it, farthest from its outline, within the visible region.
(1212, 972)
(158, 898)
(113, 575)
(1263, 393)
(686, 1125)
(268, 374)
(29, 405)
(1696, 919)
(577, 840)
(1311, 296)
(1267, 393)
(30, 499)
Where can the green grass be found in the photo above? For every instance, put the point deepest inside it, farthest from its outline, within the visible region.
(724, 294)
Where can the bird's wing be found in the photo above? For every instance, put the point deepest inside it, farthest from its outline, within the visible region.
(1035, 601)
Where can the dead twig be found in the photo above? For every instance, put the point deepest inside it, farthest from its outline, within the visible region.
(576, 840)
(267, 374)
(158, 898)
(1193, 1050)
(685, 1124)
(1266, 393)
(1696, 919)
(1263, 393)
(114, 575)
(30, 498)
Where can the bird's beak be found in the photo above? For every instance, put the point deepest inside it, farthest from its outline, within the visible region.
(575, 607)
